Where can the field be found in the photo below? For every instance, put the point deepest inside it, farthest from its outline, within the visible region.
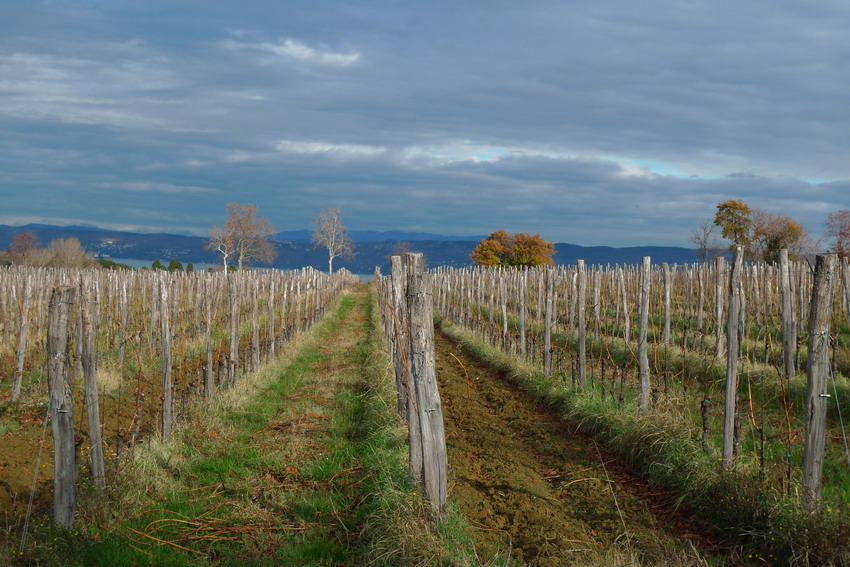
(308, 449)
(217, 327)
(580, 329)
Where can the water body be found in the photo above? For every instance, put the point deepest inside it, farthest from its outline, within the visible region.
(137, 263)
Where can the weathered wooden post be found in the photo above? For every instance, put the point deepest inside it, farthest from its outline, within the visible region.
(122, 329)
(165, 331)
(61, 406)
(398, 317)
(789, 325)
(643, 358)
(719, 284)
(233, 301)
(733, 321)
(22, 340)
(270, 322)
(668, 285)
(817, 370)
(582, 325)
(504, 297)
(624, 299)
(209, 374)
(547, 322)
(89, 331)
(423, 371)
(523, 302)
(255, 324)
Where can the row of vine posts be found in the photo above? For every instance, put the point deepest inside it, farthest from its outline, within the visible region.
(406, 301)
(707, 314)
(175, 335)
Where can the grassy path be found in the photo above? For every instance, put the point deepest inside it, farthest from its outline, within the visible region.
(303, 464)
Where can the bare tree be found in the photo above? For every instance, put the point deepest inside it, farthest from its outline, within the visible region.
(331, 233)
(244, 236)
(703, 238)
(68, 253)
(221, 239)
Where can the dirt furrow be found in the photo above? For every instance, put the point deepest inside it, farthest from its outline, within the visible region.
(531, 486)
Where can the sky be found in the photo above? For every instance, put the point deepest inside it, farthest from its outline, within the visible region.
(619, 123)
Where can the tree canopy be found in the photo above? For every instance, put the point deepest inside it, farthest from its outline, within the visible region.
(244, 236)
(733, 218)
(838, 228)
(513, 250)
(332, 234)
(762, 233)
(59, 253)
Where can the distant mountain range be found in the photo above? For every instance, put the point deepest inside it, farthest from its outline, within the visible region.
(382, 236)
(295, 249)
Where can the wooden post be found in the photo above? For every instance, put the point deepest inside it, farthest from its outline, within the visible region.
(89, 331)
(122, 329)
(423, 370)
(732, 324)
(165, 332)
(523, 301)
(643, 358)
(271, 315)
(398, 307)
(209, 375)
(582, 326)
(61, 406)
(504, 297)
(817, 370)
(719, 284)
(255, 325)
(701, 283)
(22, 340)
(547, 322)
(789, 325)
(233, 300)
(668, 284)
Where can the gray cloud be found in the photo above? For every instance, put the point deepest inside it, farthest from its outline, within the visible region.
(595, 123)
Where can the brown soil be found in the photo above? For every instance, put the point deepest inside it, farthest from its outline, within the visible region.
(19, 448)
(530, 485)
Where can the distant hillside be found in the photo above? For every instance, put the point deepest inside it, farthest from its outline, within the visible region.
(299, 252)
(381, 236)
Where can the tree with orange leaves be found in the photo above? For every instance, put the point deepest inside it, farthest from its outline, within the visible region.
(513, 250)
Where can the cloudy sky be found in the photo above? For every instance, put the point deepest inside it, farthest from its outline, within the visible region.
(616, 123)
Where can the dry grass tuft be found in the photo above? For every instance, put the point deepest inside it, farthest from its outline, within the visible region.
(108, 377)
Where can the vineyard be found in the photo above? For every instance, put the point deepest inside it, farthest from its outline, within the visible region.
(698, 378)
(142, 348)
(638, 356)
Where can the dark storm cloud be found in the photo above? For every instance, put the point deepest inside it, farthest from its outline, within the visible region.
(596, 123)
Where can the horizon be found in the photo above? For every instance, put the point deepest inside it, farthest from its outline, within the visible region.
(443, 237)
